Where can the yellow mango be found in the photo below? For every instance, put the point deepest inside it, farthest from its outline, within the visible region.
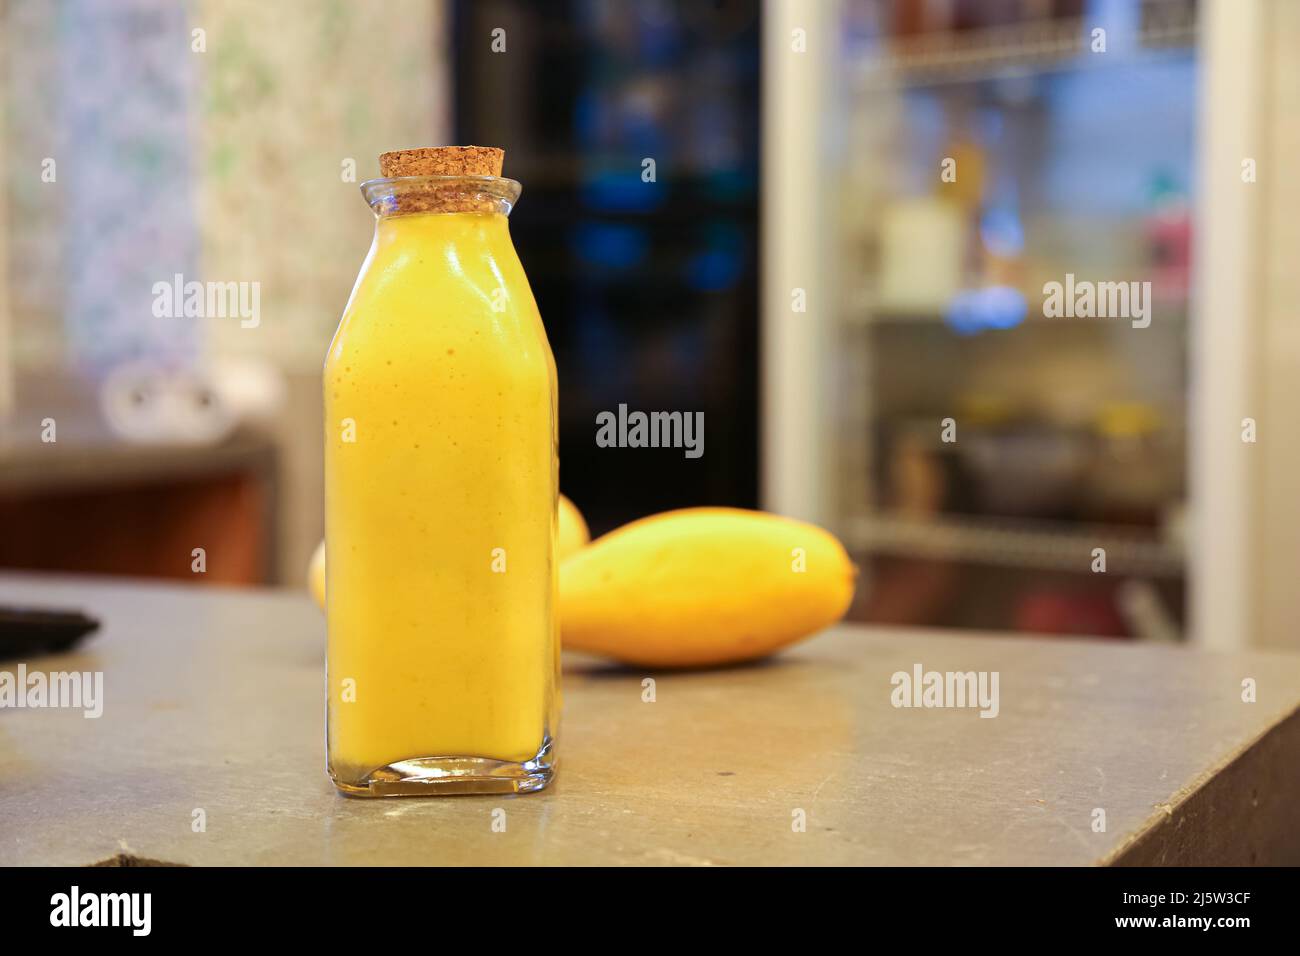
(573, 533)
(571, 537)
(316, 574)
(703, 586)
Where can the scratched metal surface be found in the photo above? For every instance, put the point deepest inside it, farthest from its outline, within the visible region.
(213, 701)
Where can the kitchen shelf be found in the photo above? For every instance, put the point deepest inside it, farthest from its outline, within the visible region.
(1017, 543)
(859, 318)
(861, 305)
(994, 52)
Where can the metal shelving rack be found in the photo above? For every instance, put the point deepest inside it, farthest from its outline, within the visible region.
(1012, 543)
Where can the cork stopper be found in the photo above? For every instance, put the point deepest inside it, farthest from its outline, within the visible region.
(442, 161)
(402, 199)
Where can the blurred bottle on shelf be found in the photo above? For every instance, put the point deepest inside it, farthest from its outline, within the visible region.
(923, 245)
(1168, 231)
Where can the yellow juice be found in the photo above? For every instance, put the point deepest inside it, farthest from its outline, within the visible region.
(440, 497)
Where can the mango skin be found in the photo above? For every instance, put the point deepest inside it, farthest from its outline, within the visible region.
(316, 574)
(572, 536)
(702, 587)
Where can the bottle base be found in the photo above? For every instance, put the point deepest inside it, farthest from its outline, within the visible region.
(449, 776)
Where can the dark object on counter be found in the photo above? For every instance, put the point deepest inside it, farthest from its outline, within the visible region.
(30, 632)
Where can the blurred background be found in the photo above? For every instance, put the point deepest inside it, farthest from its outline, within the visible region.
(798, 269)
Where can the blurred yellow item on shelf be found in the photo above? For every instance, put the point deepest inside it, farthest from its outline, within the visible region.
(703, 586)
(967, 189)
(985, 409)
(1127, 420)
(572, 536)
(573, 533)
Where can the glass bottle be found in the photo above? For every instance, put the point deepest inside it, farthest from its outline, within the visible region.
(441, 489)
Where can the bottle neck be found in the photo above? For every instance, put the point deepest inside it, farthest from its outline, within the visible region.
(393, 199)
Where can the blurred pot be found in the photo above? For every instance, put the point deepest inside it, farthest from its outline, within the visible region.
(1027, 472)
